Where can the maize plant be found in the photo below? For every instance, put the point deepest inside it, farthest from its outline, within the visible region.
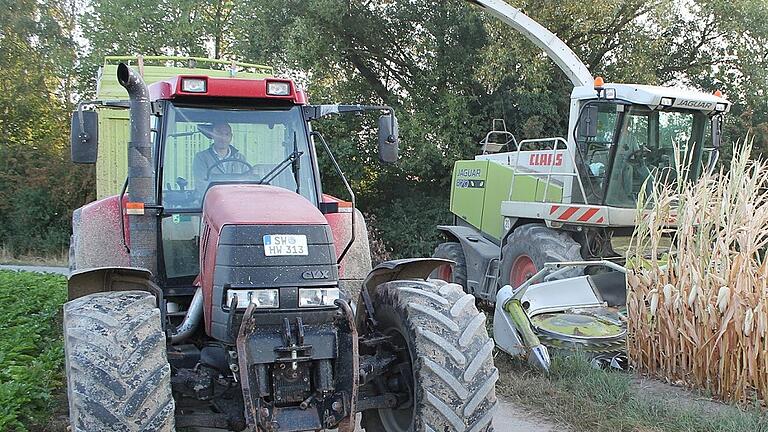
(698, 311)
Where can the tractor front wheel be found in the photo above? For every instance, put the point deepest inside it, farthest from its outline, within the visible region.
(529, 247)
(445, 361)
(118, 376)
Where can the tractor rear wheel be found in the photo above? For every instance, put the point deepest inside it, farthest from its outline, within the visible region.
(446, 361)
(118, 376)
(529, 247)
(451, 273)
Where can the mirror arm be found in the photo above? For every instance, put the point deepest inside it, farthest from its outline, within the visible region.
(314, 112)
(349, 190)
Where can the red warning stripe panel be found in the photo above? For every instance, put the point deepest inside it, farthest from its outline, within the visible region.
(588, 215)
(553, 209)
(568, 213)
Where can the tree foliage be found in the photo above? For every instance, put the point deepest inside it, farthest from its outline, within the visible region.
(38, 186)
(447, 67)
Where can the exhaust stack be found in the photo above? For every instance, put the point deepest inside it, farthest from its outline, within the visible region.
(141, 179)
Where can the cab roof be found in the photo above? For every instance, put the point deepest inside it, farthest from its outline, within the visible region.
(652, 96)
(229, 88)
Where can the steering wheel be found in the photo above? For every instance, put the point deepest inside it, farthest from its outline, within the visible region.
(639, 156)
(223, 161)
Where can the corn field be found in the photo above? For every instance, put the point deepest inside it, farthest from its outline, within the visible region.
(698, 309)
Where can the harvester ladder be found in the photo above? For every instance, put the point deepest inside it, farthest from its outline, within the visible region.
(555, 141)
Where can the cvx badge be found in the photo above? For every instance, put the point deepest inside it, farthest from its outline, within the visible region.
(316, 274)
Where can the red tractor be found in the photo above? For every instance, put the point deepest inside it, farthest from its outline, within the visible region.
(223, 289)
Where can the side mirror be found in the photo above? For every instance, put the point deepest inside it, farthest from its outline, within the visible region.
(588, 123)
(85, 136)
(389, 140)
(717, 122)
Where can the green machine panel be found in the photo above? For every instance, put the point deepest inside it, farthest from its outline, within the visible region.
(480, 186)
(468, 190)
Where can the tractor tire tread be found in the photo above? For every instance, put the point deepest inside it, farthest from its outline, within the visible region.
(454, 371)
(118, 379)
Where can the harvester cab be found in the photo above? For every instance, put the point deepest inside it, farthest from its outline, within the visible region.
(215, 286)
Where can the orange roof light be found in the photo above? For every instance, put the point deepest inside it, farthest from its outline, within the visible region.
(718, 93)
(599, 82)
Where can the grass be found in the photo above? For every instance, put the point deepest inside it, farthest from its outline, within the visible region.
(7, 256)
(586, 399)
(31, 350)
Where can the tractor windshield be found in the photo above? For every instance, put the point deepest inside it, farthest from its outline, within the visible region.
(635, 144)
(205, 145)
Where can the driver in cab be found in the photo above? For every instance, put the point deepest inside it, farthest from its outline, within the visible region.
(220, 158)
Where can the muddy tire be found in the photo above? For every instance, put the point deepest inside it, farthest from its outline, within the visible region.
(454, 274)
(452, 375)
(529, 247)
(118, 376)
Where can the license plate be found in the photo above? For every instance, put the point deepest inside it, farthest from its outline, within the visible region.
(285, 244)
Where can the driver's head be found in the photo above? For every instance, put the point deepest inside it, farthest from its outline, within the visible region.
(222, 135)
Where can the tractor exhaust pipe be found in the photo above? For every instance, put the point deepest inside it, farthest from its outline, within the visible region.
(143, 227)
(191, 320)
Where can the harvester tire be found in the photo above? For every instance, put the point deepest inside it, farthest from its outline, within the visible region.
(454, 274)
(118, 376)
(529, 247)
(452, 376)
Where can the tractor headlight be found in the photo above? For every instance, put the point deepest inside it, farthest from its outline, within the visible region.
(721, 107)
(313, 297)
(194, 85)
(262, 298)
(278, 88)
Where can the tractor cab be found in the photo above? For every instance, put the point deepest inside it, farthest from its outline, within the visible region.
(206, 139)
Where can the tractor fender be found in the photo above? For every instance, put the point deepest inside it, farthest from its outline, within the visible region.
(478, 254)
(105, 279)
(357, 262)
(97, 240)
(408, 268)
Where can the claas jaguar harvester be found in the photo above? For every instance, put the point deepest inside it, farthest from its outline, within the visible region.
(226, 290)
(521, 204)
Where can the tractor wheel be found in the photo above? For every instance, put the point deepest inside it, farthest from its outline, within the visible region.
(529, 247)
(445, 359)
(118, 376)
(451, 273)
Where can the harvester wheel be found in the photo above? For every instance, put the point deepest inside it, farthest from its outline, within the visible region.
(456, 273)
(446, 360)
(118, 376)
(529, 247)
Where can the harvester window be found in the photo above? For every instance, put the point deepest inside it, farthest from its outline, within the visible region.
(654, 147)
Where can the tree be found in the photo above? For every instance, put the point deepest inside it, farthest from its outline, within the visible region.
(36, 57)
